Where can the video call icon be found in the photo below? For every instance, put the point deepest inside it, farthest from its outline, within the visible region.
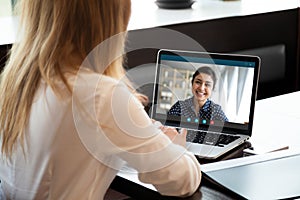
(203, 121)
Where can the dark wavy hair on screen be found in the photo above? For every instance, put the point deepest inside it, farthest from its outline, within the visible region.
(205, 70)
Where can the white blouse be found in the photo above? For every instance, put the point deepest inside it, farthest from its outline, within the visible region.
(74, 148)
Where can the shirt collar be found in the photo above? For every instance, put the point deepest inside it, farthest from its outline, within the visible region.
(205, 107)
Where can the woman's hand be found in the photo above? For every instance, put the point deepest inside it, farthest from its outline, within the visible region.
(172, 133)
(177, 138)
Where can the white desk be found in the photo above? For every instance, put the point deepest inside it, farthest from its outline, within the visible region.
(277, 121)
(146, 14)
(8, 30)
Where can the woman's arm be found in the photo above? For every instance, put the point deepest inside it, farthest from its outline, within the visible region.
(135, 139)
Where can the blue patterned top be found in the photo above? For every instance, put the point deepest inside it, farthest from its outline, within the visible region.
(209, 111)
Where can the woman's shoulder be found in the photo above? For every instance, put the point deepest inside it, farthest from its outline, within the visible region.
(188, 101)
(213, 104)
(89, 78)
(91, 85)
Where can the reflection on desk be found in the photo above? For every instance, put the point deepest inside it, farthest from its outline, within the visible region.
(276, 122)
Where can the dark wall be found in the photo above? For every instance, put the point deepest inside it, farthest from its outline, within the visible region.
(3, 55)
(231, 35)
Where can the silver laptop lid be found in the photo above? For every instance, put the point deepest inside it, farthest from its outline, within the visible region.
(232, 80)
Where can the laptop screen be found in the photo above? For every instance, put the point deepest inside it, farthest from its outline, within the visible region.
(205, 91)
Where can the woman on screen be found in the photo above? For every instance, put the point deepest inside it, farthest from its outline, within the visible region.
(199, 105)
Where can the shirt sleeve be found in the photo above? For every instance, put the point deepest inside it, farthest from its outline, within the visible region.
(175, 109)
(219, 113)
(169, 167)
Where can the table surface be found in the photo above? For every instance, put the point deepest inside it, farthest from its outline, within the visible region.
(276, 124)
(146, 14)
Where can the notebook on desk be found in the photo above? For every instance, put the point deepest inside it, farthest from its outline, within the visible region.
(227, 87)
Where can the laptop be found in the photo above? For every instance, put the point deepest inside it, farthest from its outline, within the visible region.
(216, 105)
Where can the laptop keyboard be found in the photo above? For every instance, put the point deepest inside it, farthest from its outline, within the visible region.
(210, 138)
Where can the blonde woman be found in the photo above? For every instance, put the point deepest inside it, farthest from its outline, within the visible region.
(70, 121)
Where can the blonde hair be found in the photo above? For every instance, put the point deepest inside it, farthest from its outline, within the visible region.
(57, 35)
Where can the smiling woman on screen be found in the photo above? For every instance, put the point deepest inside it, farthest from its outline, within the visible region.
(200, 106)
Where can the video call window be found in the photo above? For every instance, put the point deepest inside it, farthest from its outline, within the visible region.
(230, 90)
